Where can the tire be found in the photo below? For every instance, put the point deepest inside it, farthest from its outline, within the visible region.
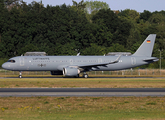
(85, 75)
(20, 76)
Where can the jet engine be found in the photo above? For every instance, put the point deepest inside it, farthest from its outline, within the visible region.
(71, 72)
(56, 72)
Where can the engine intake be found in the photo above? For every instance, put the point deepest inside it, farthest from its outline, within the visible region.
(71, 72)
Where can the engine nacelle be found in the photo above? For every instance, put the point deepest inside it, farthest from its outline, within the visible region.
(71, 72)
(56, 72)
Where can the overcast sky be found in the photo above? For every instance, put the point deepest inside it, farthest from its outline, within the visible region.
(138, 5)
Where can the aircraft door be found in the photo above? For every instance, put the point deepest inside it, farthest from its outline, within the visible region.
(133, 61)
(21, 59)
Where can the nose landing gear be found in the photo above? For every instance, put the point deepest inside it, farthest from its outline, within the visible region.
(20, 74)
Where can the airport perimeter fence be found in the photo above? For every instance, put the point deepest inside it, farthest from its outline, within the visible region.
(128, 72)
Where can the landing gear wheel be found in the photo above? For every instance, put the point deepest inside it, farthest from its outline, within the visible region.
(85, 75)
(20, 74)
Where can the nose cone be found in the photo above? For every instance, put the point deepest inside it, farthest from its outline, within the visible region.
(4, 66)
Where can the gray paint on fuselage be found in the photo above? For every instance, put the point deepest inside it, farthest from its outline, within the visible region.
(53, 63)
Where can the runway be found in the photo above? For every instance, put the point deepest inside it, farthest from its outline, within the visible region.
(80, 92)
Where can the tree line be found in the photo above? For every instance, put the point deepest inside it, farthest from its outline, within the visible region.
(90, 28)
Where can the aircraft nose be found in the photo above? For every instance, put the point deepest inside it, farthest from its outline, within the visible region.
(4, 66)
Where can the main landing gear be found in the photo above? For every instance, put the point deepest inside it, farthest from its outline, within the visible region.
(20, 74)
(85, 75)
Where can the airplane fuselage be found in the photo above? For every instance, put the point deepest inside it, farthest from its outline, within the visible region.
(57, 63)
(72, 66)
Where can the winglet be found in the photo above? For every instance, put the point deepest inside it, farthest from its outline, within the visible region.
(146, 47)
(117, 60)
(78, 54)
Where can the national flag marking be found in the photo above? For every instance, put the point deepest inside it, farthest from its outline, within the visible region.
(148, 41)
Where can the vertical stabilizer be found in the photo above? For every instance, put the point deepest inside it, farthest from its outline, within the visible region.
(146, 47)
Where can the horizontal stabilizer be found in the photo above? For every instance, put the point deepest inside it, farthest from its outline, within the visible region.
(151, 59)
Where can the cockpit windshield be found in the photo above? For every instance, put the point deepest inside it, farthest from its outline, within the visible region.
(12, 61)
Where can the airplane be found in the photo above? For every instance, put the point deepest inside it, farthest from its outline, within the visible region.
(72, 66)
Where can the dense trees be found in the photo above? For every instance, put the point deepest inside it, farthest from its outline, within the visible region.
(90, 28)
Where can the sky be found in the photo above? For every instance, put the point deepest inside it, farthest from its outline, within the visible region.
(138, 5)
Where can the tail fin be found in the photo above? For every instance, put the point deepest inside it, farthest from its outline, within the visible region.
(146, 47)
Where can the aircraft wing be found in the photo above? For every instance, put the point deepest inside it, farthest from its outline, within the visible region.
(89, 65)
(100, 64)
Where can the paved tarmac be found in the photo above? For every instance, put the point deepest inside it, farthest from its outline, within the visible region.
(80, 92)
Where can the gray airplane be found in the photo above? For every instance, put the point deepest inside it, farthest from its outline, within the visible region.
(72, 66)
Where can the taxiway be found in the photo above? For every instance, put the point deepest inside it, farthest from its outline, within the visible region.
(80, 92)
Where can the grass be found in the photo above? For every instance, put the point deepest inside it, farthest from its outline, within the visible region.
(82, 108)
(82, 82)
(124, 108)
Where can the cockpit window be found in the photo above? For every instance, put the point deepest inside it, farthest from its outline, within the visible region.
(12, 61)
